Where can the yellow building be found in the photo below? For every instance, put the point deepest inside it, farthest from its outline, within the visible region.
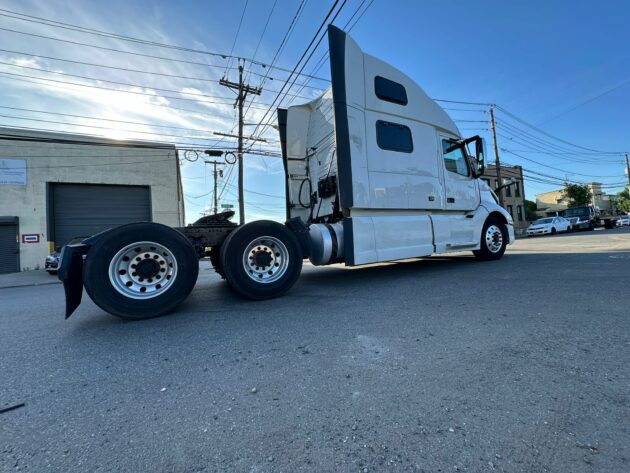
(554, 202)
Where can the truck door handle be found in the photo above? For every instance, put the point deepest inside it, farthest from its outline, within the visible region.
(431, 198)
(450, 200)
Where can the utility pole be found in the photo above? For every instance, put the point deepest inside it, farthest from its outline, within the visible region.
(243, 91)
(628, 171)
(497, 163)
(216, 173)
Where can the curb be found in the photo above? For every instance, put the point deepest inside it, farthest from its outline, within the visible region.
(30, 284)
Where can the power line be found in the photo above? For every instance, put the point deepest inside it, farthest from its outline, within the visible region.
(126, 84)
(125, 69)
(546, 151)
(552, 167)
(465, 103)
(520, 120)
(314, 38)
(238, 30)
(150, 43)
(134, 92)
(235, 187)
(138, 143)
(104, 119)
(82, 29)
(104, 48)
(322, 60)
(539, 145)
(278, 79)
(288, 33)
(592, 99)
(262, 35)
(130, 163)
(555, 146)
(161, 105)
(41, 120)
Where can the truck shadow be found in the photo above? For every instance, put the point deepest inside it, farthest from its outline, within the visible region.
(213, 301)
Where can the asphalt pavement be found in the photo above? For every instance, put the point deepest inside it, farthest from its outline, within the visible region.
(439, 364)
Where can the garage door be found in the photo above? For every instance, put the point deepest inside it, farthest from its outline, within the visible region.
(85, 209)
(9, 249)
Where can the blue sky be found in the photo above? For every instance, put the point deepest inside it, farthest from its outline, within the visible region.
(561, 66)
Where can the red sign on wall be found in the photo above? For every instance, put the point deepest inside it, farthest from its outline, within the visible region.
(30, 237)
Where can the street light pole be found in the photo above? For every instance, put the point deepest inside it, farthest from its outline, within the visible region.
(216, 173)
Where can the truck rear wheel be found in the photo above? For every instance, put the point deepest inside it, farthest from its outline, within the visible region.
(494, 240)
(141, 270)
(261, 260)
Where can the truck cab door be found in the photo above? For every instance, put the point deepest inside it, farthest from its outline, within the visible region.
(460, 187)
(458, 227)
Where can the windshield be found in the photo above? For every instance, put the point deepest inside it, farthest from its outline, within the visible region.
(577, 212)
(543, 221)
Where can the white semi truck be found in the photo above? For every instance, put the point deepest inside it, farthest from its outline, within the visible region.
(374, 171)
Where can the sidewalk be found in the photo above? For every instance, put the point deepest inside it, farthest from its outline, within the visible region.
(27, 278)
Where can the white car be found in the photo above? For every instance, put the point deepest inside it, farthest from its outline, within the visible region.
(549, 225)
(624, 221)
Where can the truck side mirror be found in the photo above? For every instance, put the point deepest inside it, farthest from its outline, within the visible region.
(478, 161)
(480, 152)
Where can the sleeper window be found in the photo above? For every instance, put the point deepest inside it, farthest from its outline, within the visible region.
(390, 91)
(393, 137)
(454, 159)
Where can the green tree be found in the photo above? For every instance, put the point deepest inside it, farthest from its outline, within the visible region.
(579, 195)
(530, 210)
(623, 201)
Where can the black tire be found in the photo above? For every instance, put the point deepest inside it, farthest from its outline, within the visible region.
(485, 253)
(553, 231)
(100, 286)
(237, 248)
(215, 259)
(52, 273)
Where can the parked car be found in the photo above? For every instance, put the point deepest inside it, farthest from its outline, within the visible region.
(52, 260)
(624, 221)
(549, 225)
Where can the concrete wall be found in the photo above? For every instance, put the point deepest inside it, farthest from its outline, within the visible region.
(80, 163)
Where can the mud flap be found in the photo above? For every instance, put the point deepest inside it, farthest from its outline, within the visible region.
(71, 274)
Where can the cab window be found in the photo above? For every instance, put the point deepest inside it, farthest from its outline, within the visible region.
(390, 91)
(393, 137)
(454, 159)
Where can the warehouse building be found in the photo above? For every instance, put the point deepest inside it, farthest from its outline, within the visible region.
(56, 186)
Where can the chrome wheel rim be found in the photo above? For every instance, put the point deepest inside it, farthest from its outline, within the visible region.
(494, 239)
(143, 270)
(265, 259)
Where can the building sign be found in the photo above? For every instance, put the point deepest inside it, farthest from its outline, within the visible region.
(30, 238)
(13, 172)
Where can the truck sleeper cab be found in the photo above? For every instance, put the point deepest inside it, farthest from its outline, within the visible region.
(374, 171)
